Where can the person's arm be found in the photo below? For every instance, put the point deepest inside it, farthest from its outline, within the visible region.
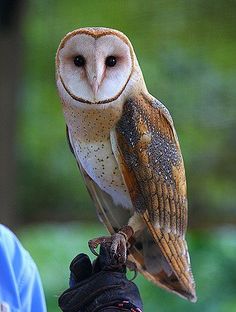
(20, 283)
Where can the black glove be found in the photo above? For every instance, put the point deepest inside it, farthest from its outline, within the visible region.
(100, 287)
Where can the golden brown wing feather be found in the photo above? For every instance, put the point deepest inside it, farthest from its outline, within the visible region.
(113, 218)
(152, 166)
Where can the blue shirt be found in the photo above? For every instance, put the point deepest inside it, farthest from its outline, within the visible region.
(20, 285)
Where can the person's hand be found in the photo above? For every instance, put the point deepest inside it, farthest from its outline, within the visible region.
(101, 286)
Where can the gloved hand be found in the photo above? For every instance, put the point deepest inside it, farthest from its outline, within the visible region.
(101, 286)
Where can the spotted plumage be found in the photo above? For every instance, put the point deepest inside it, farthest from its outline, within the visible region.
(128, 152)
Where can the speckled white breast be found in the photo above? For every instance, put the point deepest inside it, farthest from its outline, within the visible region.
(89, 127)
(100, 164)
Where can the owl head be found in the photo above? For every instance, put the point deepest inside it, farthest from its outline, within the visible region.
(94, 65)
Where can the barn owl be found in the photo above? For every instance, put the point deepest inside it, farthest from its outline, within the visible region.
(128, 152)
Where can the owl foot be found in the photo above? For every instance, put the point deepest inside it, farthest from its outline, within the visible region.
(132, 267)
(93, 243)
(118, 243)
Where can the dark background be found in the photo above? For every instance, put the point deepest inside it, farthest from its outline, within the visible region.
(186, 50)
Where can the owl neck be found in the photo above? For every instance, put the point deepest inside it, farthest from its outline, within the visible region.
(93, 122)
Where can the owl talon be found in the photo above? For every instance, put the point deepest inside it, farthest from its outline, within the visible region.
(118, 247)
(133, 268)
(94, 243)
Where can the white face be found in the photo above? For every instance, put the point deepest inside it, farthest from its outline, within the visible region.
(94, 69)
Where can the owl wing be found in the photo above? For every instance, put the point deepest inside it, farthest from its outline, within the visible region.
(148, 153)
(114, 217)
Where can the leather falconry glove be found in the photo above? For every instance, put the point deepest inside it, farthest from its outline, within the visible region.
(99, 287)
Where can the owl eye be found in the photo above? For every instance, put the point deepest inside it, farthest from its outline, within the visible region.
(110, 61)
(79, 61)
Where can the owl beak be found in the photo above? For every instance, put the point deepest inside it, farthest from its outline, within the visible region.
(95, 78)
(97, 75)
(95, 85)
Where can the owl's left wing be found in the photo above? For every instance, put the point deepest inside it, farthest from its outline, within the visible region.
(148, 153)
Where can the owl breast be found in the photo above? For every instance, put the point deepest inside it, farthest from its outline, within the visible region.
(98, 161)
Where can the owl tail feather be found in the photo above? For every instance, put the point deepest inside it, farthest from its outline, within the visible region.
(153, 265)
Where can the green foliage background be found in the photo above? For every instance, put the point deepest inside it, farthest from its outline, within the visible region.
(186, 50)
